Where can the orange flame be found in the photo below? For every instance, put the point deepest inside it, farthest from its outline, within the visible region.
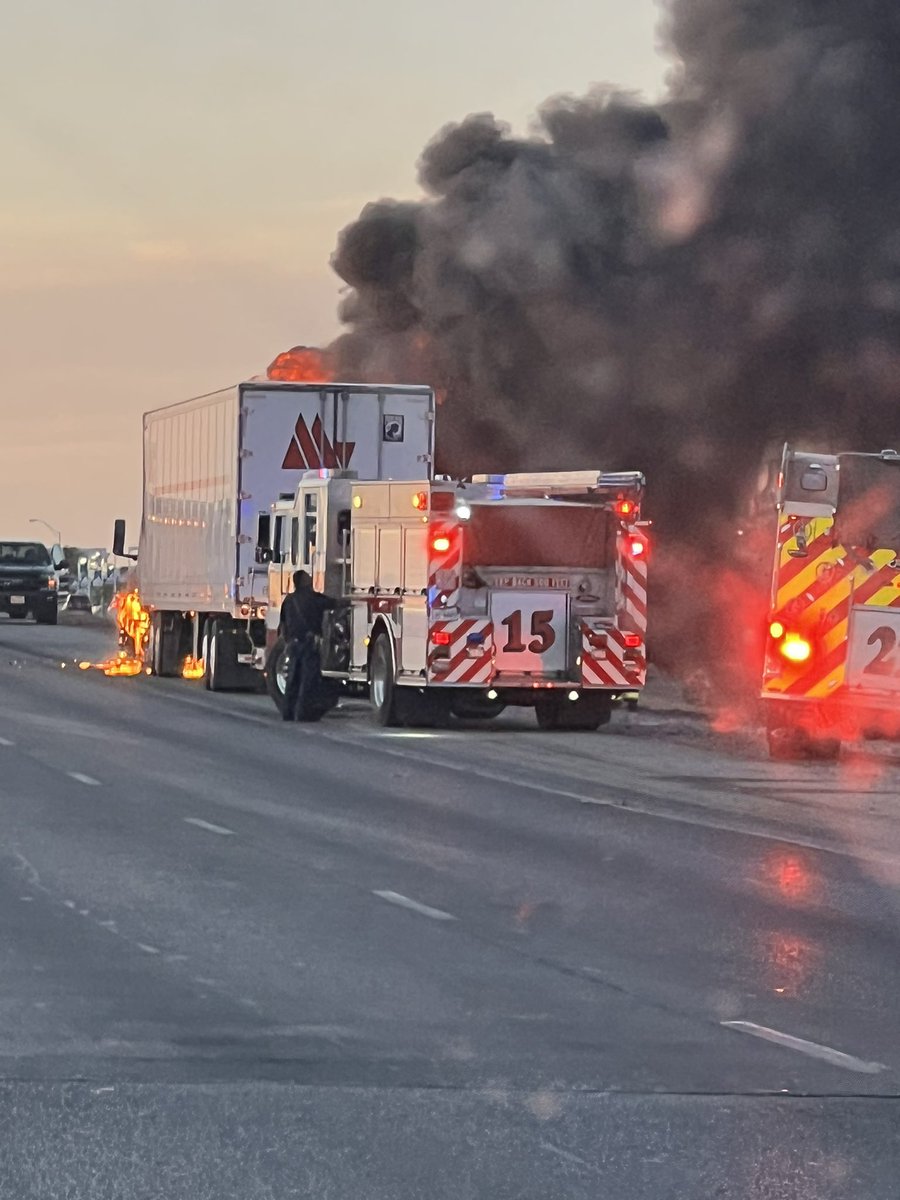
(133, 622)
(194, 668)
(302, 364)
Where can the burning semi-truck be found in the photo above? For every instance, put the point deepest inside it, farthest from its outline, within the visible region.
(214, 466)
(455, 596)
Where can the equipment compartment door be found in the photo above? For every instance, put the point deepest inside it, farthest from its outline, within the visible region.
(874, 655)
(530, 632)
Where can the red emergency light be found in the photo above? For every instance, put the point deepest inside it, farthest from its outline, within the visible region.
(441, 543)
(637, 547)
(624, 508)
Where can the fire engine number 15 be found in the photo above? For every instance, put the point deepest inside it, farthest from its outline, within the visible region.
(542, 635)
(530, 632)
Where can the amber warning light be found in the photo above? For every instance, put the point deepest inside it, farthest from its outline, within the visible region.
(792, 646)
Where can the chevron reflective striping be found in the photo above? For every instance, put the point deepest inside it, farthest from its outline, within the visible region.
(819, 592)
(459, 664)
(608, 667)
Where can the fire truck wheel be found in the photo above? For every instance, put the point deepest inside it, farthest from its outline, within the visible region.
(585, 714)
(276, 674)
(476, 707)
(419, 708)
(382, 686)
(789, 743)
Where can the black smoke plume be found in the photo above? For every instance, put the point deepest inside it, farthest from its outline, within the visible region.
(678, 288)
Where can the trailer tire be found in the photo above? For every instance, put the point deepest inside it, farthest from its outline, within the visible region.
(212, 674)
(164, 644)
(383, 688)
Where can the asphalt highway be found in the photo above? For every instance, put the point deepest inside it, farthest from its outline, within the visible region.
(246, 959)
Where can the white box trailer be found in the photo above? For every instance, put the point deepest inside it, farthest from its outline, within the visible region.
(214, 466)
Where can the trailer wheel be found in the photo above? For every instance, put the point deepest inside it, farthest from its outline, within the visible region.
(586, 714)
(382, 685)
(164, 643)
(212, 675)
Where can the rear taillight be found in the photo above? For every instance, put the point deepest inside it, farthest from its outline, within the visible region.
(440, 637)
(631, 641)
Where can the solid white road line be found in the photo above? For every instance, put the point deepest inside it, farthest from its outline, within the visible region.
(837, 1058)
(436, 914)
(209, 827)
(86, 779)
(6, 742)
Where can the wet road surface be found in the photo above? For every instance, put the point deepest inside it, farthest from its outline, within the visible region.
(246, 959)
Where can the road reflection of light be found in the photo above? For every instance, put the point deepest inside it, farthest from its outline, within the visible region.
(791, 875)
(790, 963)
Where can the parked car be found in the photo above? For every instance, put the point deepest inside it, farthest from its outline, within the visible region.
(28, 582)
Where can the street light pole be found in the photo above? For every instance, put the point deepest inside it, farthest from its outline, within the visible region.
(40, 521)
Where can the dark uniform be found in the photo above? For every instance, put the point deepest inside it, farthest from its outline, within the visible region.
(301, 627)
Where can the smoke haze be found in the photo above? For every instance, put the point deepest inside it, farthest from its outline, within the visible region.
(677, 288)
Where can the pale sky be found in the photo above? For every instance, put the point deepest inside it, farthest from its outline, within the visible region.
(176, 172)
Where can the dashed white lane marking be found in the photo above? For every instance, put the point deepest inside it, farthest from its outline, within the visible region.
(89, 780)
(436, 914)
(563, 1154)
(147, 949)
(6, 742)
(837, 1058)
(209, 827)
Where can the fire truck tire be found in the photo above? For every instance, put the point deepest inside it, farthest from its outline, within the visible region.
(586, 714)
(383, 690)
(276, 674)
(789, 742)
(476, 708)
(421, 709)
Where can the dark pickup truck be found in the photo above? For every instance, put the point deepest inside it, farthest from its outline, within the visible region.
(28, 582)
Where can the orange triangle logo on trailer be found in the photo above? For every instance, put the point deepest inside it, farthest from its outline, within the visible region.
(310, 449)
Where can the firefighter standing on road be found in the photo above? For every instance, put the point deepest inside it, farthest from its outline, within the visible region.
(301, 627)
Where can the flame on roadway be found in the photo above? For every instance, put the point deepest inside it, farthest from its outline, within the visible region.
(194, 668)
(133, 623)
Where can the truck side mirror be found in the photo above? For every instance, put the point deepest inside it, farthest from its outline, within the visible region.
(119, 541)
